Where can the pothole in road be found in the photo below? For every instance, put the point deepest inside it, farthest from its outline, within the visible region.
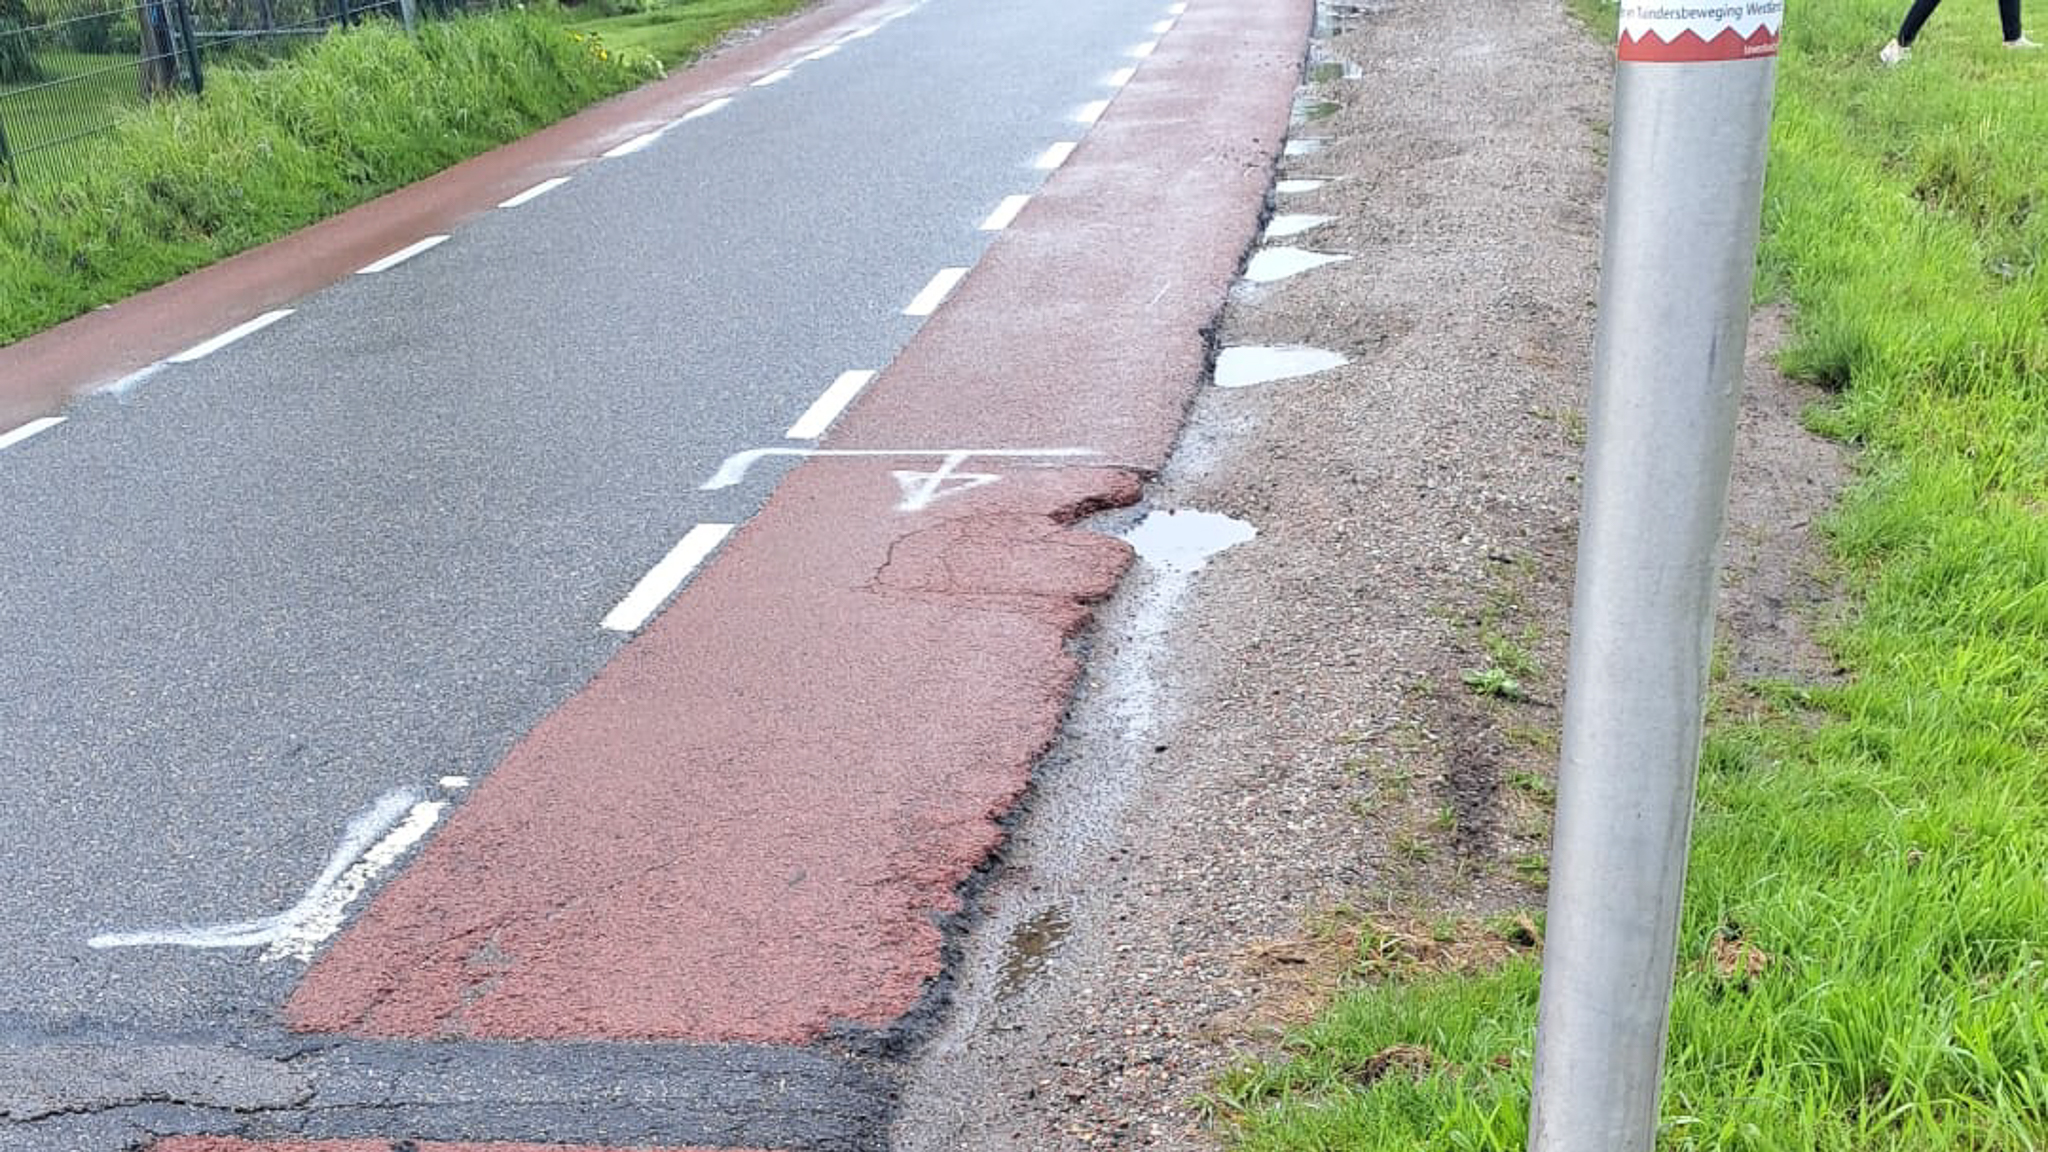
(1183, 541)
(1031, 947)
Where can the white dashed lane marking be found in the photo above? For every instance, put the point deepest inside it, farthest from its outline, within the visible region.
(826, 408)
(248, 328)
(1005, 213)
(1056, 155)
(402, 255)
(935, 293)
(664, 578)
(535, 192)
(32, 428)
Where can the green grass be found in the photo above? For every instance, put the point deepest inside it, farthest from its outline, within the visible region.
(679, 30)
(184, 182)
(1890, 861)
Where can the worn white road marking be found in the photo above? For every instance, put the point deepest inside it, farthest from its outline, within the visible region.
(32, 428)
(132, 381)
(1303, 146)
(247, 328)
(664, 578)
(374, 841)
(1176, 9)
(1005, 213)
(1090, 112)
(401, 256)
(1163, 27)
(927, 302)
(1121, 77)
(455, 783)
(704, 109)
(923, 489)
(734, 470)
(535, 192)
(826, 408)
(1056, 155)
(821, 53)
(643, 140)
(1144, 50)
(1296, 187)
(775, 77)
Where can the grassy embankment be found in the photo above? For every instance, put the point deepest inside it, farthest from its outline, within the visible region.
(1864, 955)
(181, 184)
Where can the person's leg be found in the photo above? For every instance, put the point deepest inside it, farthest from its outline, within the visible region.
(2009, 20)
(1918, 14)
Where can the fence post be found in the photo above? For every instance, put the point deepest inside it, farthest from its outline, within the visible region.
(409, 10)
(191, 44)
(6, 156)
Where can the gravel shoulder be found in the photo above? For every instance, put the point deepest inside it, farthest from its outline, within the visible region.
(1275, 752)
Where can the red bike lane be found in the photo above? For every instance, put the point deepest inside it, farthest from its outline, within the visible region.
(748, 827)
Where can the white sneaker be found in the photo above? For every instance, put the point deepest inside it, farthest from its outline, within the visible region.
(1895, 52)
(2021, 41)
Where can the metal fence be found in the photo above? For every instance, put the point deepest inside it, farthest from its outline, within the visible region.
(70, 68)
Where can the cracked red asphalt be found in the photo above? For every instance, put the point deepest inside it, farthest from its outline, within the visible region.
(745, 828)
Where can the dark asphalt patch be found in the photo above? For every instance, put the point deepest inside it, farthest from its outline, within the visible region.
(273, 1088)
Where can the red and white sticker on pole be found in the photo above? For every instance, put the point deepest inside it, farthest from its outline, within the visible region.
(1698, 31)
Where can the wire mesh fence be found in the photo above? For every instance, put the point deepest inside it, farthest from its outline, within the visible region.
(70, 68)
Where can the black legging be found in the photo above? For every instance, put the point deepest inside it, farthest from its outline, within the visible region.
(2008, 16)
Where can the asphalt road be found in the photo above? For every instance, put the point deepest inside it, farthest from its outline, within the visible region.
(370, 546)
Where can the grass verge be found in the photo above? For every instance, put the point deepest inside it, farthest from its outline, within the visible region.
(186, 182)
(1864, 954)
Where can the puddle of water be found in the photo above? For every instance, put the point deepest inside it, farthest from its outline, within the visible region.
(1310, 111)
(1183, 541)
(1296, 187)
(1031, 946)
(1294, 224)
(1259, 364)
(1270, 264)
(1302, 147)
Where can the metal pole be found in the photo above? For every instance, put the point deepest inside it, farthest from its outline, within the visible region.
(1692, 109)
(409, 11)
(6, 157)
